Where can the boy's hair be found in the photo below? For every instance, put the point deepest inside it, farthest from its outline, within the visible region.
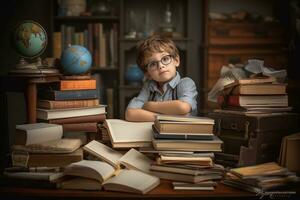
(154, 44)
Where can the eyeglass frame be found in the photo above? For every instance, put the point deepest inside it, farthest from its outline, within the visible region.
(159, 61)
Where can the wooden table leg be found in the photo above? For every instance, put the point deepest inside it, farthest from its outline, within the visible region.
(31, 102)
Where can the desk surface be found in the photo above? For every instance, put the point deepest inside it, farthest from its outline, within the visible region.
(164, 190)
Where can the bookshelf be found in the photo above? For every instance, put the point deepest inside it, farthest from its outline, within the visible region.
(112, 73)
(98, 32)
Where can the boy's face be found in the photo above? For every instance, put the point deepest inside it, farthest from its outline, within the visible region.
(161, 67)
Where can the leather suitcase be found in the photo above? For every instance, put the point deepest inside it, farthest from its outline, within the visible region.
(254, 138)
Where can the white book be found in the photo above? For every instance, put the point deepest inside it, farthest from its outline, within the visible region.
(46, 176)
(98, 173)
(47, 114)
(27, 134)
(124, 134)
(131, 160)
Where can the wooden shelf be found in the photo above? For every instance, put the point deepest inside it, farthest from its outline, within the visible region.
(86, 18)
(94, 69)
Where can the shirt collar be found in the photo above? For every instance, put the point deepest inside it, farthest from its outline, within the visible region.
(172, 83)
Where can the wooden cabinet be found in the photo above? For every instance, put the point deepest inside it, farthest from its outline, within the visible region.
(231, 42)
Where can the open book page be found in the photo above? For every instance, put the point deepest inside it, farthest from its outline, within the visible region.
(132, 133)
(136, 160)
(79, 183)
(132, 181)
(132, 159)
(228, 75)
(97, 170)
(103, 152)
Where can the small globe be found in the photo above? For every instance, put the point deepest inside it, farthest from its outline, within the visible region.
(76, 60)
(30, 39)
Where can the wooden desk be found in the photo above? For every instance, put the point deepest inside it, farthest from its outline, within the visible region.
(31, 81)
(163, 191)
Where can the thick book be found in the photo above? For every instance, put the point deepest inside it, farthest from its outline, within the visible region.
(287, 157)
(81, 127)
(182, 169)
(49, 104)
(27, 134)
(189, 145)
(46, 159)
(68, 95)
(270, 168)
(180, 136)
(201, 126)
(85, 84)
(254, 100)
(252, 81)
(180, 118)
(124, 134)
(185, 177)
(42, 176)
(169, 159)
(64, 145)
(81, 119)
(259, 89)
(205, 185)
(48, 114)
(112, 179)
(131, 159)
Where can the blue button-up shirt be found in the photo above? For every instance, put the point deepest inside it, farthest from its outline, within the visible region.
(185, 89)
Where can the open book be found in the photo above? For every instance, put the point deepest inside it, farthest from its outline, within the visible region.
(131, 160)
(95, 174)
(124, 134)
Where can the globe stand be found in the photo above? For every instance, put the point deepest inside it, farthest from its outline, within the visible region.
(23, 64)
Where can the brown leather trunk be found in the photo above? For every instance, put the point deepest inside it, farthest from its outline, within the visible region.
(252, 139)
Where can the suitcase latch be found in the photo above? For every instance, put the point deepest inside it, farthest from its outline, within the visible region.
(246, 136)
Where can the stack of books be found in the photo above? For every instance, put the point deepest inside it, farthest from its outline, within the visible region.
(255, 95)
(259, 178)
(39, 153)
(73, 103)
(185, 147)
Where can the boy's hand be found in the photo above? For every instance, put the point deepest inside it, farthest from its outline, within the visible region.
(174, 107)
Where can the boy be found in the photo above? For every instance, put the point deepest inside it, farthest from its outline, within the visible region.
(164, 92)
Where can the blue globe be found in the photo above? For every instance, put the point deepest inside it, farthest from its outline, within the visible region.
(76, 60)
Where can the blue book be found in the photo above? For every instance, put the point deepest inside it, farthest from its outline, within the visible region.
(186, 136)
(68, 95)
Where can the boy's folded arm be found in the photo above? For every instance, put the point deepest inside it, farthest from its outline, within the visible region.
(173, 107)
(139, 115)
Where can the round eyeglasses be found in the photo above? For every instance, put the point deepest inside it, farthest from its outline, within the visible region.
(165, 60)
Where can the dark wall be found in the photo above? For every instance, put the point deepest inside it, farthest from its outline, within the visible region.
(13, 12)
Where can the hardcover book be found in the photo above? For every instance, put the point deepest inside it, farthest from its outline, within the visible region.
(27, 134)
(48, 104)
(71, 112)
(68, 95)
(86, 84)
(124, 134)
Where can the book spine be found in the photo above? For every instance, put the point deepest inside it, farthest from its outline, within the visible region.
(69, 95)
(67, 104)
(81, 127)
(83, 119)
(233, 100)
(78, 84)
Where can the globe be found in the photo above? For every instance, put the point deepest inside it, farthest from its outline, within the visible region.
(30, 39)
(76, 60)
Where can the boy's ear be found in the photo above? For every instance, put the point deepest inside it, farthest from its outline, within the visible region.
(177, 61)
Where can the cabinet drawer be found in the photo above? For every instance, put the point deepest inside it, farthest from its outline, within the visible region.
(221, 33)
